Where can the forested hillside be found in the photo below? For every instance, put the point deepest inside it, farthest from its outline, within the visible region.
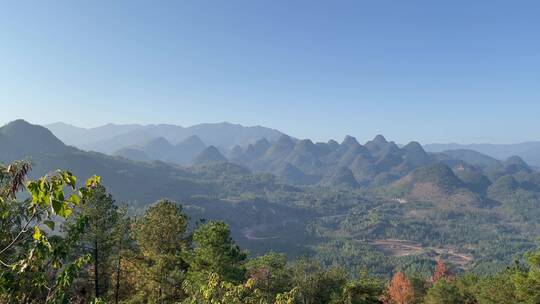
(376, 209)
(75, 245)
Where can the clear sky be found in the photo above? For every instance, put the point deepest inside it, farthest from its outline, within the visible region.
(434, 71)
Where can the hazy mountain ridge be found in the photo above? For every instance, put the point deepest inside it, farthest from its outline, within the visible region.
(160, 148)
(378, 162)
(529, 151)
(111, 138)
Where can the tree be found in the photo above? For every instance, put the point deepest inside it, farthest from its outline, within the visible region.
(216, 290)
(315, 284)
(162, 242)
(444, 292)
(216, 252)
(36, 262)
(441, 272)
(527, 283)
(364, 290)
(100, 214)
(497, 288)
(399, 291)
(124, 248)
(270, 274)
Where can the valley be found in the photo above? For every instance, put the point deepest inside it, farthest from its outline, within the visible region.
(343, 202)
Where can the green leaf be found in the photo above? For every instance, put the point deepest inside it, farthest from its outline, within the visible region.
(93, 181)
(61, 208)
(33, 188)
(59, 195)
(57, 206)
(74, 199)
(66, 211)
(69, 179)
(49, 224)
(37, 233)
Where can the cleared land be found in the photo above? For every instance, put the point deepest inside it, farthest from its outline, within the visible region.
(405, 248)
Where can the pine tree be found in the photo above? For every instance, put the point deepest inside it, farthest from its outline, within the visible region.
(124, 247)
(100, 214)
(527, 283)
(216, 252)
(162, 243)
(444, 292)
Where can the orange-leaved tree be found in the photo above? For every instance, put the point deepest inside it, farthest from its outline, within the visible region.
(441, 272)
(399, 291)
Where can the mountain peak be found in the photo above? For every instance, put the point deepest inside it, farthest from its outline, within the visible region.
(19, 123)
(158, 141)
(29, 132)
(349, 140)
(342, 176)
(209, 155)
(515, 160)
(30, 139)
(515, 164)
(305, 144)
(416, 155)
(413, 146)
(380, 139)
(261, 145)
(437, 173)
(61, 124)
(193, 140)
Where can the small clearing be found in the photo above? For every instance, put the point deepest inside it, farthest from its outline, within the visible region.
(405, 248)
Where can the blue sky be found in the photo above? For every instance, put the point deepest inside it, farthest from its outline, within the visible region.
(433, 71)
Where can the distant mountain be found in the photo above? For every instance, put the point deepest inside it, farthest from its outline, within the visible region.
(111, 138)
(435, 183)
(438, 174)
(161, 149)
(208, 156)
(378, 161)
(279, 150)
(133, 154)
(529, 151)
(469, 156)
(19, 138)
(204, 190)
(128, 180)
(472, 177)
(292, 175)
(341, 177)
(416, 155)
(80, 137)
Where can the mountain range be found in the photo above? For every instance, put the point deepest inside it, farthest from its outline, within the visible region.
(294, 195)
(111, 137)
(529, 151)
(293, 161)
